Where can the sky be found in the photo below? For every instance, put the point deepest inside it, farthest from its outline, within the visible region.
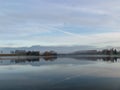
(59, 22)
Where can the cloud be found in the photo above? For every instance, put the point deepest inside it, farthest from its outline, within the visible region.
(101, 14)
(45, 21)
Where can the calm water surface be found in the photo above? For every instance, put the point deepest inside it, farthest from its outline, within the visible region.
(60, 74)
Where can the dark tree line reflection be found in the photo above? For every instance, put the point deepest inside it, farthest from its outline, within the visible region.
(111, 59)
(52, 59)
(37, 59)
(105, 59)
(31, 61)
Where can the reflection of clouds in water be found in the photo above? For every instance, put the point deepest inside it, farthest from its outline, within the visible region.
(66, 79)
(66, 72)
(55, 60)
(74, 72)
(68, 67)
(97, 70)
(42, 61)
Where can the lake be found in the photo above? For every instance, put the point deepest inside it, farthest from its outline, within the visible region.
(60, 74)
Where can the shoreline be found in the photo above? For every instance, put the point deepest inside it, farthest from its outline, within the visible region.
(7, 56)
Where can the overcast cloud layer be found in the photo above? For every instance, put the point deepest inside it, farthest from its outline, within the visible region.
(59, 22)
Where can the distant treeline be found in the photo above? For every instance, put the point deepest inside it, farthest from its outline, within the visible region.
(34, 53)
(53, 53)
(96, 52)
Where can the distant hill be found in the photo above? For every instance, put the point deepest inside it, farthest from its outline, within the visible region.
(58, 49)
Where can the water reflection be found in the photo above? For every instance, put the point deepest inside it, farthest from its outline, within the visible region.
(105, 59)
(111, 59)
(64, 74)
(50, 58)
(37, 60)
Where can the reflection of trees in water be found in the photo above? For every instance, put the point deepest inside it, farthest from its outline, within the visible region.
(106, 59)
(111, 59)
(47, 58)
(26, 60)
(53, 58)
(34, 59)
